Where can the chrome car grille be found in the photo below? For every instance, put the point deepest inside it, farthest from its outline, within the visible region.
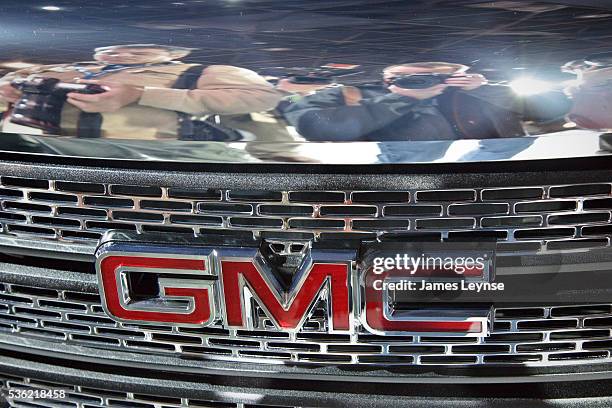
(87, 397)
(531, 218)
(556, 217)
(551, 335)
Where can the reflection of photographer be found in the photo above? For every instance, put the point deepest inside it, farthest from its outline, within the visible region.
(592, 93)
(135, 91)
(417, 101)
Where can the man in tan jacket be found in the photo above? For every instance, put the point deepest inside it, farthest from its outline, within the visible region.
(149, 93)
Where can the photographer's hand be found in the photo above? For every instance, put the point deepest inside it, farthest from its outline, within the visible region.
(115, 97)
(426, 93)
(467, 82)
(8, 93)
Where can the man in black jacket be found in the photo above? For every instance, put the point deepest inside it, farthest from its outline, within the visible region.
(463, 106)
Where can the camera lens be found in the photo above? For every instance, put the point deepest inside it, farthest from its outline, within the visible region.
(40, 105)
(418, 81)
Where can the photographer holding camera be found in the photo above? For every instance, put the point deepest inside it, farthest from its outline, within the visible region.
(415, 101)
(136, 91)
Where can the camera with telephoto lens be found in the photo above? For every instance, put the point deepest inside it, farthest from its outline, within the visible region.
(419, 81)
(42, 100)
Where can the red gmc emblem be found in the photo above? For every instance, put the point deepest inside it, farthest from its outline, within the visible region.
(200, 285)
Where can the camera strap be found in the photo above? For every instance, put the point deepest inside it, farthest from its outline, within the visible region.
(89, 125)
(195, 129)
(187, 80)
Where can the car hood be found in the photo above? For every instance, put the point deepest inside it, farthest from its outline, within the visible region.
(302, 82)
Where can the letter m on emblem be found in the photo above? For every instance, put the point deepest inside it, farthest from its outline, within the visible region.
(288, 309)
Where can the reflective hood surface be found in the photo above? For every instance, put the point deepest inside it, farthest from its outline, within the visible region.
(330, 82)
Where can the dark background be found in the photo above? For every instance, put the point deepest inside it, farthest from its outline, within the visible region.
(501, 38)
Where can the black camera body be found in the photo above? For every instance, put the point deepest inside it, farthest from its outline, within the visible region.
(42, 101)
(323, 75)
(419, 81)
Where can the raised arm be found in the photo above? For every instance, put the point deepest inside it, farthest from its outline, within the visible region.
(221, 89)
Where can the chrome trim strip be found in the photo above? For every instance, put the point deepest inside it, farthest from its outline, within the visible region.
(561, 145)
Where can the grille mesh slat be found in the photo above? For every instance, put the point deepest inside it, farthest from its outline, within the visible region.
(82, 212)
(520, 335)
(531, 218)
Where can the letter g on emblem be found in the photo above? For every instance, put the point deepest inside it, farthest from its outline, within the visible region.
(179, 301)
